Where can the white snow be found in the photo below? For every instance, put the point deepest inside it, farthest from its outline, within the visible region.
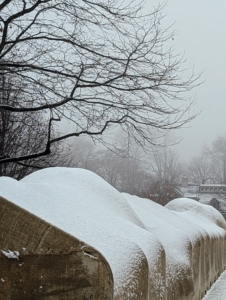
(11, 254)
(196, 208)
(173, 230)
(85, 206)
(218, 289)
(124, 228)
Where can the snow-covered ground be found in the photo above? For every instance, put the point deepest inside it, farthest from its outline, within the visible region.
(126, 229)
(218, 289)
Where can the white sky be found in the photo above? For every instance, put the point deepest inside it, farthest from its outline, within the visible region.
(200, 27)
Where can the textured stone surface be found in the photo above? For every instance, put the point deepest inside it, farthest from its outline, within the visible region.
(51, 264)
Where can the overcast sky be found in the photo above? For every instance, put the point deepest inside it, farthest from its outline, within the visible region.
(200, 27)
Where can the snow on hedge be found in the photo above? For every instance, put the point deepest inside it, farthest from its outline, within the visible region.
(122, 227)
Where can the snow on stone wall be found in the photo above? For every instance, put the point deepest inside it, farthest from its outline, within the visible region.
(193, 236)
(153, 252)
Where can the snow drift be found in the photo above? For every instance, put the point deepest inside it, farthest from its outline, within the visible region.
(153, 252)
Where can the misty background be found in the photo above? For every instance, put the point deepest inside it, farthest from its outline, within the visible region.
(200, 35)
(198, 39)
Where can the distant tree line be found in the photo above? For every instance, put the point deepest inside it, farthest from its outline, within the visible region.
(155, 174)
(210, 165)
(146, 174)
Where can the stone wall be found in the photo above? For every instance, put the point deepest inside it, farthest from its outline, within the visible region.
(51, 265)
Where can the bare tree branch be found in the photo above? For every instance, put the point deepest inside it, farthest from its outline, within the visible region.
(97, 64)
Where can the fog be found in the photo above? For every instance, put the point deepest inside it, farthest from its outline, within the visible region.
(200, 28)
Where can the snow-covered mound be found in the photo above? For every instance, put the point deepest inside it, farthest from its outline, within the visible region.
(183, 226)
(192, 208)
(154, 252)
(82, 204)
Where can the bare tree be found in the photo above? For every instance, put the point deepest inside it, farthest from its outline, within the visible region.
(125, 171)
(95, 63)
(216, 171)
(217, 153)
(21, 133)
(108, 165)
(166, 165)
(200, 170)
(135, 179)
(83, 154)
(167, 171)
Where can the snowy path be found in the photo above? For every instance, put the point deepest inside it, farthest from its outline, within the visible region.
(218, 289)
